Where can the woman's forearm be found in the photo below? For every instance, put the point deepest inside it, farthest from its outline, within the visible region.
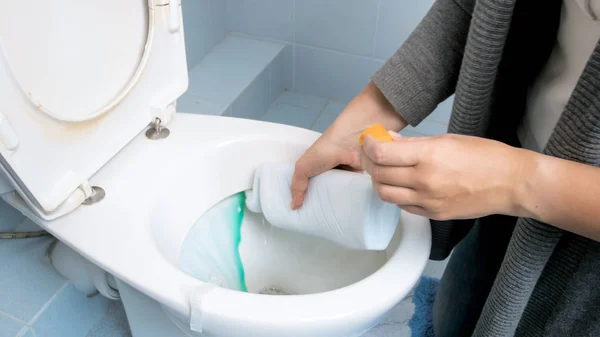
(367, 108)
(562, 193)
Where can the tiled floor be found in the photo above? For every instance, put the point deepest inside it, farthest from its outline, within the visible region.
(35, 301)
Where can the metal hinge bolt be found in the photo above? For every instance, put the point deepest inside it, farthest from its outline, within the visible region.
(157, 131)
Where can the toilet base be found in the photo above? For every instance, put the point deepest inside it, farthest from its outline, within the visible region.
(146, 316)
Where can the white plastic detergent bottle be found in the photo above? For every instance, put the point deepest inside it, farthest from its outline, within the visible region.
(339, 205)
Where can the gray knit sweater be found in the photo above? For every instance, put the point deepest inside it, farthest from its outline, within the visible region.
(487, 53)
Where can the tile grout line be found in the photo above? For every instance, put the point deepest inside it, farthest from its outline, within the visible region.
(294, 44)
(12, 317)
(320, 114)
(377, 18)
(366, 57)
(22, 332)
(260, 38)
(47, 304)
(271, 81)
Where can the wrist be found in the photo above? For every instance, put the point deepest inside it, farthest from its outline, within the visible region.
(371, 107)
(524, 202)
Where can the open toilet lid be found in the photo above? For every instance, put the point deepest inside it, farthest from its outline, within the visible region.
(78, 81)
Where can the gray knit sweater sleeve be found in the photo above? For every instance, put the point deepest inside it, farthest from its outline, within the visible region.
(424, 71)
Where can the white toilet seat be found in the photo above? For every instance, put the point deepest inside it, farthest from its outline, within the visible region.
(73, 95)
(145, 255)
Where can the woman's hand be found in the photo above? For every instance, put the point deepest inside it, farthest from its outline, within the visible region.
(338, 146)
(446, 177)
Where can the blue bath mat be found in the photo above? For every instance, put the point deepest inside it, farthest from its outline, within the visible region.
(421, 324)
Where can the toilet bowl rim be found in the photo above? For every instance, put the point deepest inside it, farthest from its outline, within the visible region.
(377, 292)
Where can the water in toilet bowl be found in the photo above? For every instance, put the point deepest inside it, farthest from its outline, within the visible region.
(210, 251)
(234, 248)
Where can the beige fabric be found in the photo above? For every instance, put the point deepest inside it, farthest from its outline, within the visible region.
(577, 36)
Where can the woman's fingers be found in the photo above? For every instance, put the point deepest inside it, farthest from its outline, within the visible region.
(416, 210)
(392, 175)
(395, 194)
(401, 152)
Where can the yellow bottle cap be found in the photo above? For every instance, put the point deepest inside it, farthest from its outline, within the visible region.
(378, 132)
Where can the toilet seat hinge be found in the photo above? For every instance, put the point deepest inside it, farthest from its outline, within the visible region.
(157, 130)
(162, 117)
(92, 194)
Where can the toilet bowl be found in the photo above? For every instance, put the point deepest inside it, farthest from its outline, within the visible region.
(125, 186)
(155, 192)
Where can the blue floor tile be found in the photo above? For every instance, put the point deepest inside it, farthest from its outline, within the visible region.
(113, 324)
(28, 281)
(9, 217)
(323, 122)
(10, 327)
(291, 115)
(30, 333)
(309, 102)
(71, 314)
(334, 108)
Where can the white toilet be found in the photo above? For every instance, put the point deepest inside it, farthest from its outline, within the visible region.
(94, 153)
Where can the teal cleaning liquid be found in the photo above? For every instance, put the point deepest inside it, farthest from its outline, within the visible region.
(237, 231)
(211, 250)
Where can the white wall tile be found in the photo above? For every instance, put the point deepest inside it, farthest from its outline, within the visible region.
(267, 18)
(343, 25)
(397, 19)
(332, 74)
